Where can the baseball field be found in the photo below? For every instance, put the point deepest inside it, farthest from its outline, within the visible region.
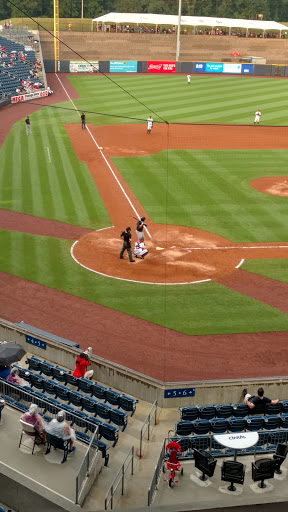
(212, 186)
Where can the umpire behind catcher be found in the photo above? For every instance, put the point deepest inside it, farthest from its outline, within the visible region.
(126, 235)
(139, 228)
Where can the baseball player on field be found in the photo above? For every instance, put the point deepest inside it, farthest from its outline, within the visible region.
(139, 250)
(188, 79)
(139, 228)
(257, 117)
(149, 124)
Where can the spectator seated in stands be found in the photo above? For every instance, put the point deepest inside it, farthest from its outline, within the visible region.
(259, 402)
(2, 404)
(82, 362)
(33, 418)
(5, 371)
(59, 428)
(14, 378)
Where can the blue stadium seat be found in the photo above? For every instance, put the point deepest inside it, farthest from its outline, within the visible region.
(207, 412)
(284, 420)
(75, 398)
(34, 363)
(62, 392)
(201, 427)
(49, 387)
(70, 411)
(80, 420)
(112, 397)
(118, 418)
(276, 437)
(103, 410)
(9, 400)
(21, 407)
(185, 443)
(96, 423)
(184, 428)
(58, 373)
(237, 424)
(285, 406)
(84, 385)
(217, 448)
(224, 410)
(219, 426)
(240, 410)
(127, 403)
(37, 381)
(98, 391)
(70, 379)
(189, 413)
(89, 404)
(272, 422)
(274, 409)
(110, 433)
(254, 423)
(200, 442)
(46, 368)
(262, 443)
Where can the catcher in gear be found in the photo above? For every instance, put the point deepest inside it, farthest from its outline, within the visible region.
(139, 250)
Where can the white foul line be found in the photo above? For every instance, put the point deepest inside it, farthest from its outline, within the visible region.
(106, 161)
(49, 156)
(236, 247)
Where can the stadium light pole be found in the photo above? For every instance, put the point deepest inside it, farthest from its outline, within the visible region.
(178, 31)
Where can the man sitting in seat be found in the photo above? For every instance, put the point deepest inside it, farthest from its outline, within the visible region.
(60, 428)
(33, 418)
(259, 401)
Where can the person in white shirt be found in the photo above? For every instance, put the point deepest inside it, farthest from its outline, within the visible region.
(257, 117)
(149, 124)
(139, 249)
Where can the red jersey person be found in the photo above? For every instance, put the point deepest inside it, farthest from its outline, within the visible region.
(82, 363)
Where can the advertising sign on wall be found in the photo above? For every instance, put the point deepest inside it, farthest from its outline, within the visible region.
(161, 67)
(79, 66)
(212, 67)
(30, 96)
(247, 68)
(123, 66)
(217, 67)
(232, 68)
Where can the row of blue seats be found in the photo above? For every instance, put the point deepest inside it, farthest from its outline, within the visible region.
(267, 443)
(220, 425)
(65, 394)
(239, 410)
(76, 418)
(85, 385)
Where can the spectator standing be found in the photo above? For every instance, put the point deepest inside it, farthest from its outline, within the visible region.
(28, 126)
(82, 363)
(260, 401)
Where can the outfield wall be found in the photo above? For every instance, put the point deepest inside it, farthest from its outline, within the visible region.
(171, 394)
(168, 67)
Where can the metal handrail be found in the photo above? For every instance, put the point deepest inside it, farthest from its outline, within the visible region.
(119, 478)
(146, 425)
(156, 476)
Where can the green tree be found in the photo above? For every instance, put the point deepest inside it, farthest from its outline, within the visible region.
(28, 7)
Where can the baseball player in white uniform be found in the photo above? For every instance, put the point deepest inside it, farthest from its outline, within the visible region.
(149, 124)
(139, 250)
(257, 117)
(188, 79)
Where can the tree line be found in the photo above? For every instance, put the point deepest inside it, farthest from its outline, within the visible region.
(276, 10)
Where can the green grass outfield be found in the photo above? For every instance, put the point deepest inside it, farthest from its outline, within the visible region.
(203, 189)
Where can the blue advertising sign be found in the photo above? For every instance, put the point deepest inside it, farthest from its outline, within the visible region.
(35, 341)
(123, 66)
(212, 67)
(247, 68)
(200, 66)
(176, 393)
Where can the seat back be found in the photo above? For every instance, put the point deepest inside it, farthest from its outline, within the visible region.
(62, 392)
(205, 462)
(184, 428)
(233, 471)
(201, 426)
(109, 433)
(112, 397)
(46, 368)
(34, 363)
(240, 410)
(224, 410)
(254, 423)
(58, 373)
(98, 390)
(49, 387)
(272, 422)
(28, 428)
(37, 381)
(89, 404)
(75, 398)
(84, 385)
(236, 424)
(274, 409)
(56, 442)
(103, 410)
(189, 413)
(219, 426)
(119, 418)
(127, 403)
(263, 469)
(207, 412)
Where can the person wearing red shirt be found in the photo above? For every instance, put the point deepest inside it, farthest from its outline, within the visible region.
(82, 363)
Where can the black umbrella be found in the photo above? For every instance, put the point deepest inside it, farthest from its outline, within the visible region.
(10, 352)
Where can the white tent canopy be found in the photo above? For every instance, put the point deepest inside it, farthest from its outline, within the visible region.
(193, 21)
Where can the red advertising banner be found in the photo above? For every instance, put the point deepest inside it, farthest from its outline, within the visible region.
(29, 96)
(159, 66)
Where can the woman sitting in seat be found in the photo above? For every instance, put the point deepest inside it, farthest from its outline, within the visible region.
(33, 418)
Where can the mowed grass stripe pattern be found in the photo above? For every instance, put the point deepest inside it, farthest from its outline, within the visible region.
(211, 190)
(274, 269)
(41, 175)
(207, 308)
(208, 99)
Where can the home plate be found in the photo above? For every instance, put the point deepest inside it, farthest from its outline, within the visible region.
(159, 248)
